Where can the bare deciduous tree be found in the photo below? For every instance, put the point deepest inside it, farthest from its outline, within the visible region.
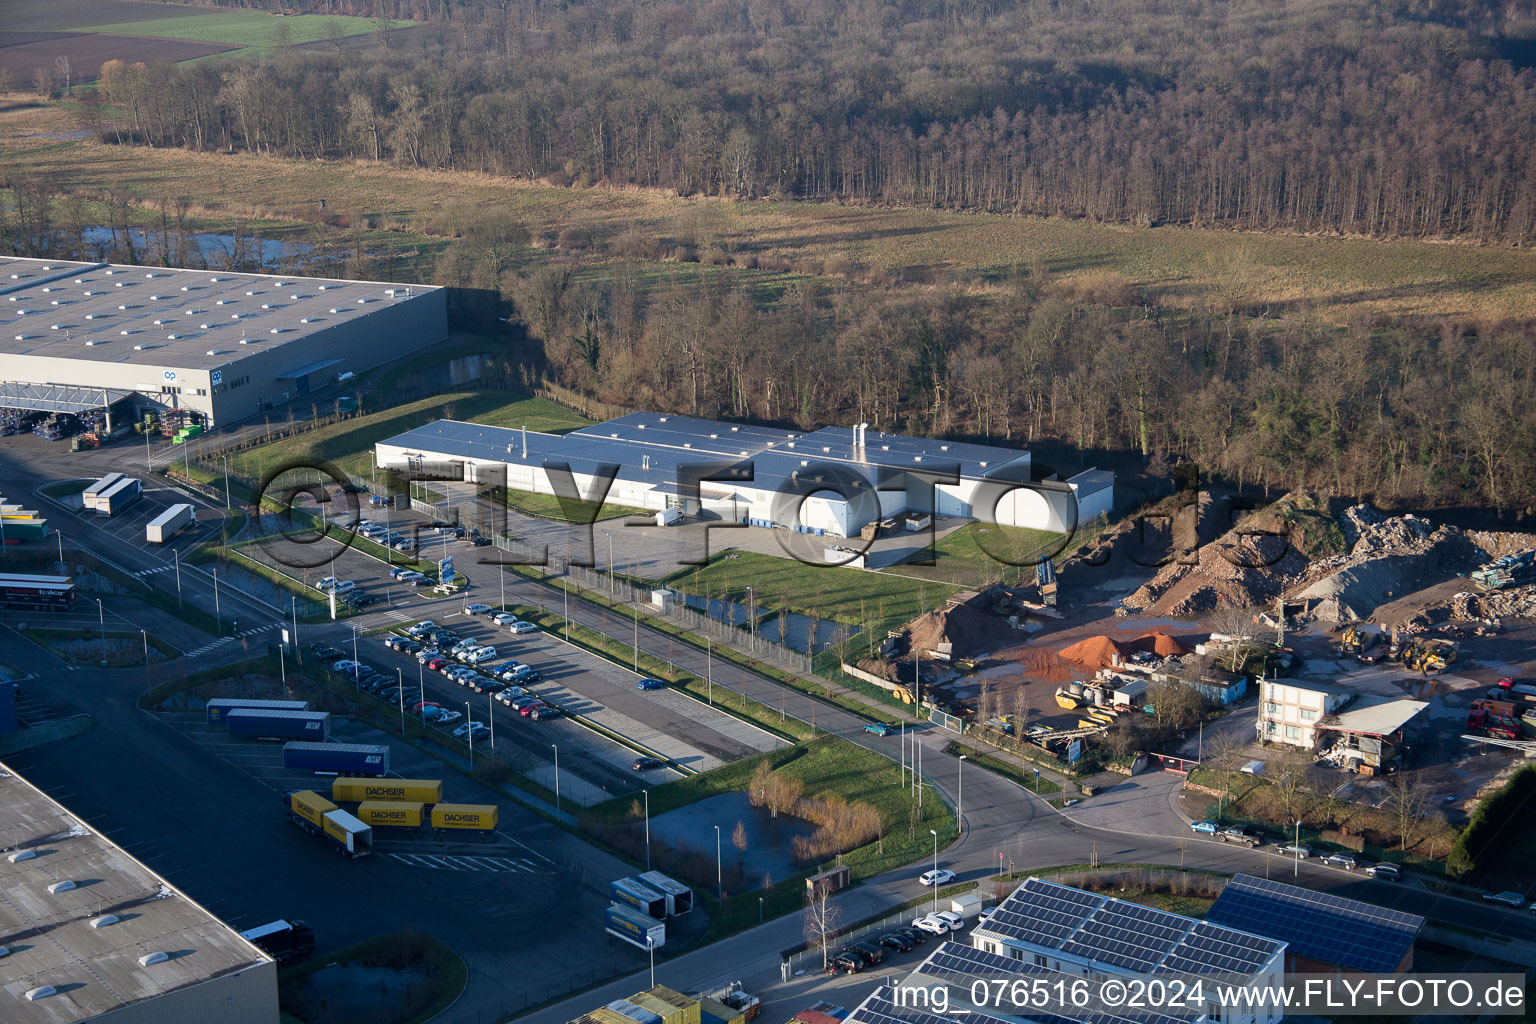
(823, 918)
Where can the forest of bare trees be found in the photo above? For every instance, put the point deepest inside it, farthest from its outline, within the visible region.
(1407, 118)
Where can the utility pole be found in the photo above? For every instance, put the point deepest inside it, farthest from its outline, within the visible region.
(647, 794)
(557, 780)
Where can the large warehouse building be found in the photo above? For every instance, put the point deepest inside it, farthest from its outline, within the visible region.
(847, 476)
(75, 337)
(89, 933)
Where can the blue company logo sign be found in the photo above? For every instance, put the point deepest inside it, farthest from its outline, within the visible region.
(217, 377)
(170, 375)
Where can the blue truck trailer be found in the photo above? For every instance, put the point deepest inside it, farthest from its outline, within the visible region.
(218, 707)
(341, 758)
(282, 725)
(637, 894)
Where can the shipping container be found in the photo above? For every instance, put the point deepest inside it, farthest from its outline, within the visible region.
(354, 837)
(474, 817)
(679, 896)
(390, 812)
(218, 707)
(169, 523)
(341, 758)
(309, 806)
(285, 941)
(417, 791)
(90, 494)
(638, 895)
(635, 928)
(282, 725)
(119, 496)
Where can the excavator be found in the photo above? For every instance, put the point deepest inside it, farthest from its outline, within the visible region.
(1430, 655)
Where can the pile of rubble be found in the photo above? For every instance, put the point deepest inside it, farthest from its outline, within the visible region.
(1388, 557)
(1516, 603)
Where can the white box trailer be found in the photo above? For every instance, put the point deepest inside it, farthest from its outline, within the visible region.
(119, 496)
(169, 523)
(90, 494)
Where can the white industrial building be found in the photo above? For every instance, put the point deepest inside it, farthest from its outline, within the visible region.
(76, 337)
(89, 933)
(1290, 711)
(831, 481)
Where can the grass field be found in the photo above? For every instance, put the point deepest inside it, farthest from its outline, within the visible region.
(347, 444)
(846, 595)
(1334, 279)
(981, 553)
(252, 30)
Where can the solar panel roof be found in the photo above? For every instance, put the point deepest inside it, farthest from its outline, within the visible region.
(1128, 936)
(1318, 925)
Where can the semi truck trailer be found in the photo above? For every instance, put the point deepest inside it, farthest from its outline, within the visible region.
(418, 791)
(284, 941)
(355, 759)
(218, 707)
(465, 817)
(169, 523)
(119, 496)
(637, 894)
(391, 813)
(281, 725)
(314, 813)
(632, 926)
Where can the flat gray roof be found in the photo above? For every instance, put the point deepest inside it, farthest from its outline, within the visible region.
(164, 316)
(50, 937)
(1373, 715)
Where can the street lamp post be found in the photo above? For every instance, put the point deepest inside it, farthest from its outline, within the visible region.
(469, 735)
(719, 871)
(1296, 852)
(102, 612)
(145, 634)
(759, 910)
(218, 617)
(490, 705)
(176, 557)
(709, 670)
(752, 615)
(557, 780)
(293, 605)
(282, 668)
(227, 504)
(960, 796)
(651, 946)
(400, 685)
(647, 794)
(636, 607)
(935, 835)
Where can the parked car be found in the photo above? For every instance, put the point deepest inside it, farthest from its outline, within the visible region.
(481, 542)
(426, 655)
(1385, 872)
(482, 654)
(1210, 828)
(417, 580)
(480, 684)
(542, 711)
(528, 711)
(941, 876)
(503, 618)
(411, 648)
(1509, 898)
(346, 665)
(871, 953)
(327, 583)
(916, 936)
(647, 764)
(1238, 834)
(327, 653)
(1301, 850)
(477, 609)
(931, 925)
(424, 626)
(449, 717)
(391, 693)
(437, 663)
(422, 705)
(397, 571)
(364, 600)
(471, 730)
(650, 684)
(1340, 860)
(897, 941)
(510, 693)
(522, 627)
(949, 917)
(844, 963)
(878, 728)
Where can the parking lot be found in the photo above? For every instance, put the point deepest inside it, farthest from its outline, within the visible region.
(127, 527)
(677, 728)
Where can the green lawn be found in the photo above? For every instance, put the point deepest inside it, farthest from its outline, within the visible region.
(981, 553)
(242, 28)
(847, 595)
(348, 444)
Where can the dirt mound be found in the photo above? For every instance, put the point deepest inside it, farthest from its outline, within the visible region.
(1240, 570)
(1041, 664)
(969, 631)
(1160, 644)
(1387, 558)
(1094, 653)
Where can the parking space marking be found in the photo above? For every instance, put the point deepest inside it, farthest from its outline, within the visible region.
(446, 862)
